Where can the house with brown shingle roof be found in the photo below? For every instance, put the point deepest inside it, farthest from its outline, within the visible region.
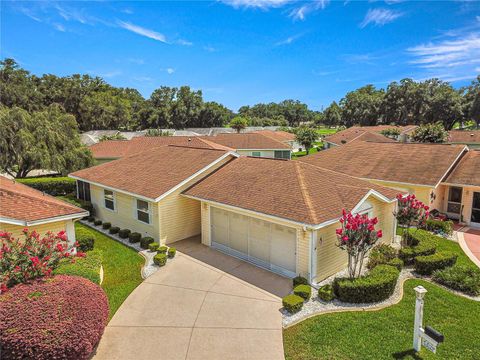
(278, 214)
(24, 207)
(471, 138)
(445, 177)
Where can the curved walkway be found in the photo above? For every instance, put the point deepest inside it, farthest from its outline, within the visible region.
(469, 240)
(200, 306)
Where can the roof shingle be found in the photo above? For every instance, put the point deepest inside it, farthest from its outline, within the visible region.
(243, 141)
(352, 133)
(467, 172)
(464, 136)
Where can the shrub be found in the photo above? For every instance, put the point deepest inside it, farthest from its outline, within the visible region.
(77, 312)
(85, 205)
(51, 185)
(31, 257)
(325, 293)
(426, 265)
(106, 225)
(439, 226)
(97, 222)
(153, 246)
(299, 280)
(424, 244)
(398, 263)
(461, 278)
(124, 233)
(376, 286)
(146, 241)
(134, 237)
(292, 303)
(381, 254)
(304, 291)
(114, 230)
(85, 242)
(162, 250)
(87, 267)
(171, 252)
(160, 259)
(90, 219)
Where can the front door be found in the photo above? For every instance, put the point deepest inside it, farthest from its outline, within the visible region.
(476, 209)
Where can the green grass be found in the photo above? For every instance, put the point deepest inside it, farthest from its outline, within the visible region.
(87, 267)
(121, 266)
(298, 154)
(326, 131)
(387, 333)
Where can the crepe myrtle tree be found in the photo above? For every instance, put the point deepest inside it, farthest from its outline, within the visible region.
(357, 235)
(410, 212)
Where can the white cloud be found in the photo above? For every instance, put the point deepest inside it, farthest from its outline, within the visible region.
(143, 31)
(209, 48)
(260, 4)
(288, 40)
(170, 70)
(59, 27)
(301, 12)
(184, 42)
(380, 17)
(108, 74)
(72, 14)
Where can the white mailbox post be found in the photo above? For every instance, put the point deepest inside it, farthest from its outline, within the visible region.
(428, 337)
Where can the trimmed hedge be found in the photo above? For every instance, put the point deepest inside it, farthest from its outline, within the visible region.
(106, 225)
(304, 291)
(462, 278)
(171, 252)
(134, 237)
(146, 241)
(153, 246)
(325, 293)
(299, 280)
(398, 263)
(124, 233)
(76, 310)
(162, 249)
(114, 230)
(51, 185)
(381, 254)
(292, 303)
(87, 267)
(426, 265)
(424, 244)
(376, 286)
(97, 222)
(436, 226)
(85, 241)
(160, 259)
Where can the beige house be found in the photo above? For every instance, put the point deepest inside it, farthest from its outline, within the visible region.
(24, 207)
(278, 214)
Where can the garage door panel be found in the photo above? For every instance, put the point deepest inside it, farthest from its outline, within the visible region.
(259, 242)
(238, 233)
(283, 249)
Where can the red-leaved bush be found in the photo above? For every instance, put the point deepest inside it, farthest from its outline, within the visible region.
(61, 317)
(31, 257)
(411, 212)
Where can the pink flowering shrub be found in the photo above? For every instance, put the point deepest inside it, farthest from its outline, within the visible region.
(411, 212)
(31, 257)
(357, 235)
(62, 317)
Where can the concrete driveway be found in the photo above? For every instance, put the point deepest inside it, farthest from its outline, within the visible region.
(202, 305)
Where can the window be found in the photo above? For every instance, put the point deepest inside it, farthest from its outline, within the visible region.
(454, 200)
(143, 211)
(83, 190)
(282, 154)
(109, 199)
(256, 153)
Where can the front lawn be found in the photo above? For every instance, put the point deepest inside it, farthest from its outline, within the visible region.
(388, 333)
(298, 154)
(121, 267)
(326, 131)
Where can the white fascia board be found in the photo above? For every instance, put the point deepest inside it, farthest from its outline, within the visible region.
(44, 221)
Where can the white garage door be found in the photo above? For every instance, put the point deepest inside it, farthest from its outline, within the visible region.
(261, 242)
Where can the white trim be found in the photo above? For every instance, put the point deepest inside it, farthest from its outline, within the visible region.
(313, 255)
(114, 195)
(455, 162)
(44, 221)
(149, 212)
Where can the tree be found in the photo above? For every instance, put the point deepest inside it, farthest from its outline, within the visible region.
(117, 136)
(430, 133)
(357, 235)
(332, 115)
(212, 114)
(362, 106)
(295, 112)
(238, 123)
(306, 136)
(471, 101)
(410, 212)
(157, 132)
(45, 139)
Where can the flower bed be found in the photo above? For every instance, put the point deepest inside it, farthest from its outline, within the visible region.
(77, 312)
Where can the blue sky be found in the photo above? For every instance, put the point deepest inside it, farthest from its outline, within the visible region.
(242, 52)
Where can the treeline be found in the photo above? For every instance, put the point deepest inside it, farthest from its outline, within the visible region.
(407, 102)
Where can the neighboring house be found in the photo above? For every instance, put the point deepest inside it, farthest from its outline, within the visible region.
(430, 171)
(24, 207)
(280, 215)
(471, 138)
(282, 136)
(253, 144)
(357, 133)
(109, 150)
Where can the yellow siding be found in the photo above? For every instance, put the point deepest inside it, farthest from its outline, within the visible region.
(421, 192)
(303, 252)
(42, 229)
(124, 215)
(264, 153)
(206, 224)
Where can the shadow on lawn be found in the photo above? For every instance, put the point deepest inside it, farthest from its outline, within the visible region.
(407, 354)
